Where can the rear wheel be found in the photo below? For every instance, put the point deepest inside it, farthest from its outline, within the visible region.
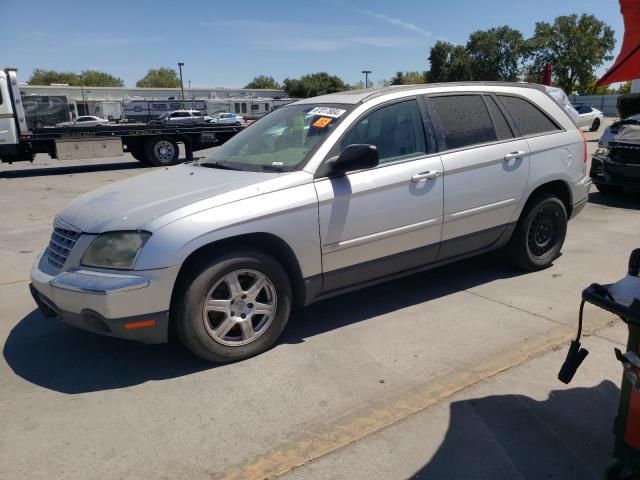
(540, 233)
(232, 306)
(595, 125)
(161, 152)
(608, 189)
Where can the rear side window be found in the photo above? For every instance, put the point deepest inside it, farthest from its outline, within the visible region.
(396, 130)
(503, 130)
(529, 119)
(464, 120)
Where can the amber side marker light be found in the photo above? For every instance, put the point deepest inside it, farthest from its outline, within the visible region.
(140, 324)
(584, 137)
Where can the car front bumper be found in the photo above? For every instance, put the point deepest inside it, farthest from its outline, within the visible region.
(606, 172)
(131, 305)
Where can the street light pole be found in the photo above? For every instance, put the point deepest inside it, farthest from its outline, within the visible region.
(180, 65)
(366, 78)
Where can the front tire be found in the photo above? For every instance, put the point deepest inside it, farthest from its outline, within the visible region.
(232, 306)
(162, 152)
(540, 233)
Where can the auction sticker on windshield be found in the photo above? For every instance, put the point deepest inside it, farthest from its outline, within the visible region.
(322, 122)
(327, 112)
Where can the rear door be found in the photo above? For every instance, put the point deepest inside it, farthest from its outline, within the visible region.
(485, 170)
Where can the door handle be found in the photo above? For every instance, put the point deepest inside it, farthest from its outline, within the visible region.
(516, 154)
(430, 175)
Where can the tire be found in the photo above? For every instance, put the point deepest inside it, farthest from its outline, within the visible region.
(162, 152)
(138, 154)
(201, 331)
(238, 124)
(595, 125)
(608, 189)
(540, 233)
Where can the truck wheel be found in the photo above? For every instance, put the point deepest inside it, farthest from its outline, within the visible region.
(540, 233)
(138, 154)
(608, 189)
(162, 152)
(232, 306)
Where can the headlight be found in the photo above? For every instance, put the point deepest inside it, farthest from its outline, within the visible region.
(602, 152)
(117, 250)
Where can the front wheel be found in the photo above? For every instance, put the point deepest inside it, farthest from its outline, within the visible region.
(540, 233)
(232, 306)
(162, 152)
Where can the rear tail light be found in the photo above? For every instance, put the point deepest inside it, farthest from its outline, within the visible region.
(584, 137)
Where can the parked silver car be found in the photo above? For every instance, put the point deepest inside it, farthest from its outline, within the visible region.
(319, 197)
(181, 117)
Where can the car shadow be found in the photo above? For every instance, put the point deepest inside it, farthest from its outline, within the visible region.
(69, 170)
(506, 437)
(50, 354)
(629, 200)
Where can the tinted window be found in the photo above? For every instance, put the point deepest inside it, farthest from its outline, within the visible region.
(137, 109)
(236, 107)
(464, 120)
(529, 119)
(396, 130)
(159, 106)
(244, 108)
(266, 105)
(174, 106)
(503, 131)
(255, 106)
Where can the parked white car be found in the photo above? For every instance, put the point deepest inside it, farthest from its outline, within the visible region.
(588, 117)
(227, 119)
(85, 121)
(322, 196)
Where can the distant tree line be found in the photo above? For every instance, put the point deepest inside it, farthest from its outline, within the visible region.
(575, 45)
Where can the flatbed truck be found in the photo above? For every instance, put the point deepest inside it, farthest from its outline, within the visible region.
(155, 145)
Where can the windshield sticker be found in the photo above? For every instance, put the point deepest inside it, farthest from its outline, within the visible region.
(277, 164)
(322, 122)
(327, 112)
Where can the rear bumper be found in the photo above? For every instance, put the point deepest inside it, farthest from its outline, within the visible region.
(605, 172)
(131, 305)
(580, 194)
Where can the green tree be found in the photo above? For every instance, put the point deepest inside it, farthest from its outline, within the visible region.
(162, 77)
(448, 63)
(496, 54)
(407, 78)
(94, 78)
(314, 84)
(47, 77)
(262, 81)
(575, 46)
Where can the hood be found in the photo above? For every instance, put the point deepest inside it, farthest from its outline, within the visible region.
(628, 134)
(150, 201)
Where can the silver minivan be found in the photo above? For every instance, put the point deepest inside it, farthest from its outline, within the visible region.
(319, 197)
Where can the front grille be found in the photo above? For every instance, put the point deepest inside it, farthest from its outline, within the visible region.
(621, 153)
(63, 239)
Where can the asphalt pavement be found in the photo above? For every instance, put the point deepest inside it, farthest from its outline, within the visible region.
(445, 374)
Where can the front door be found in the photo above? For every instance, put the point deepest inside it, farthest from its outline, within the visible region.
(386, 219)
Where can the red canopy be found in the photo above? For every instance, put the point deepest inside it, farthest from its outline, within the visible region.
(627, 65)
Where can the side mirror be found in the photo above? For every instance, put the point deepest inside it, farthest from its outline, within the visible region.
(355, 157)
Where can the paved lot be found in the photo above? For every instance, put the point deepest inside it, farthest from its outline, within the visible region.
(436, 357)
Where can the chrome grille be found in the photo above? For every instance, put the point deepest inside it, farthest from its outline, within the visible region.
(62, 242)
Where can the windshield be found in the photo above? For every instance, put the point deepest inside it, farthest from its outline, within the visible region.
(282, 140)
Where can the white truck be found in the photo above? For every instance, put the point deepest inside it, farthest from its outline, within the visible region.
(151, 144)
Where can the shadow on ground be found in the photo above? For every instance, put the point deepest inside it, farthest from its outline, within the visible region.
(629, 200)
(58, 357)
(69, 170)
(509, 437)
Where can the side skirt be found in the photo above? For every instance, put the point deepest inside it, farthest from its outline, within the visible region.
(455, 249)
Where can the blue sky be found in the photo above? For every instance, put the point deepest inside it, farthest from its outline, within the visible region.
(227, 43)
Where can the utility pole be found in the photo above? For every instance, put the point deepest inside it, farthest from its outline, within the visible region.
(366, 78)
(180, 65)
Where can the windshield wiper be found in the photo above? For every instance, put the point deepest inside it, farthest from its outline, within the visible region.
(219, 165)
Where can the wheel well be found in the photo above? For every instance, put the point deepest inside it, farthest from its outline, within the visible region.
(264, 242)
(558, 188)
